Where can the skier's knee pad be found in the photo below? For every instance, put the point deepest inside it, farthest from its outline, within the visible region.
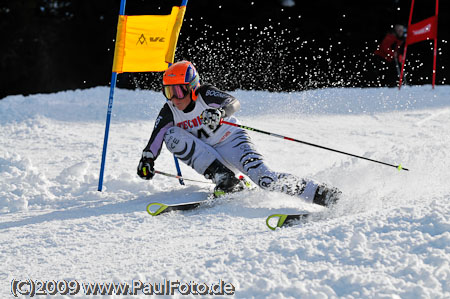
(177, 140)
(189, 149)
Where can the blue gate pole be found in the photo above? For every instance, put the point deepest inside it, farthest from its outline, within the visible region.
(177, 164)
(108, 113)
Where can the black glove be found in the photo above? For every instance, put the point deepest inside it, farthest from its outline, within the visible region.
(212, 117)
(146, 168)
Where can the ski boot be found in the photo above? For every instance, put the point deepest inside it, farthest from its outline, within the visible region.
(326, 196)
(224, 178)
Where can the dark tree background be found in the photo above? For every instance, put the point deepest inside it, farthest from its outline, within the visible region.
(53, 45)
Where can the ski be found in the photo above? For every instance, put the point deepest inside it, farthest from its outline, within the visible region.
(165, 208)
(218, 194)
(285, 220)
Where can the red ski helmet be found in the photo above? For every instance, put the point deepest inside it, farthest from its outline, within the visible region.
(180, 73)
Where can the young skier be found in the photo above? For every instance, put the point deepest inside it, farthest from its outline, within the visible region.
(189, 125)
(387, 59)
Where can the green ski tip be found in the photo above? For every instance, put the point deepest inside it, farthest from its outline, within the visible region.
(281, 219)
(161, 208)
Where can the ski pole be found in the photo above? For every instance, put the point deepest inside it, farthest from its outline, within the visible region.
(180, 177)
(397, 66)
(399, 167)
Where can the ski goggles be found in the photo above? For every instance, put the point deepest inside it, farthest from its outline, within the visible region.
(176, 91)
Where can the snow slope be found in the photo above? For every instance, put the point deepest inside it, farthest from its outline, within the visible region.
(388, 238)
